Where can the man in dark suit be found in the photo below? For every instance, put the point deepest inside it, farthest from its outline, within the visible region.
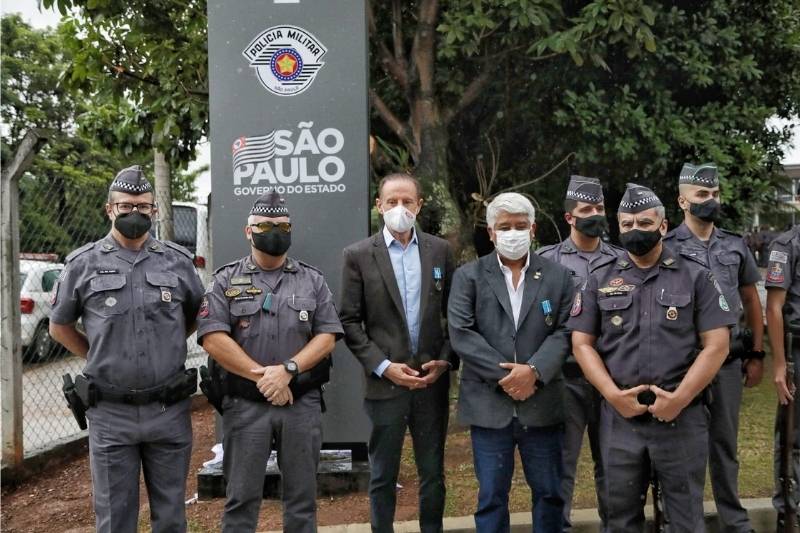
(394, 302)
(507, 317)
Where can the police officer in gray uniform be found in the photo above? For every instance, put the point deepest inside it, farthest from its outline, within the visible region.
(635, 328)
(783, 309)
(583, 253)
(138, 298)
(725, 253)
(265, 319)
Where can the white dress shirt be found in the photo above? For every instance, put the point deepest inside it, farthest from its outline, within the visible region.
(515, 293)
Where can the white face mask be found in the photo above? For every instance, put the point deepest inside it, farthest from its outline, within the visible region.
(399, 219)
(513, 244)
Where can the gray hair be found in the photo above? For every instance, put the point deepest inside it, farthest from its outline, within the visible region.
(512, 203)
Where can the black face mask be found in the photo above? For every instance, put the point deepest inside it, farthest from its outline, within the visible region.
(639, 242)
(707, 211)
(592, 226)
(275, 242)
(132, 225)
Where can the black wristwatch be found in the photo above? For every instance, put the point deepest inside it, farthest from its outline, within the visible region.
(291, 367)
(757, 354)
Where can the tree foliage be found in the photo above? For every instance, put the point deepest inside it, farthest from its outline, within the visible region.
(62, 194)
(483, 96)
(145, 62)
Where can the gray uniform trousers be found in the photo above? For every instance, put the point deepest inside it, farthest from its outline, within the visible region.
(251, 431)
(126, 438)
(582, 409)
(722, 448)
(777, 498)
(678, 452)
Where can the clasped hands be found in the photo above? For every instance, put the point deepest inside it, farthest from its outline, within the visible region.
(404, 376)
(274, 384)
(520, 383)
(667, 407)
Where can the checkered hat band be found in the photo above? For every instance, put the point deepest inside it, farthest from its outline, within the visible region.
(269, 210)
(124, 186)
(640, 202)
(583, 197)
(693, 180)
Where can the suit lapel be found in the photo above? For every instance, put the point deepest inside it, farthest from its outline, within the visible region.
(381, 254)
(426, 264)
(532, 285)
(497, 282)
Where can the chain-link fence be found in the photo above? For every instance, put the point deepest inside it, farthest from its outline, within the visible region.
(53, 220)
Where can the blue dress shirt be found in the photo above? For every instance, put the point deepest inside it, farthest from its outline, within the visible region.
(408, 273)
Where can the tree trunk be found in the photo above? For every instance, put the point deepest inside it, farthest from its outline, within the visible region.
(163, 196)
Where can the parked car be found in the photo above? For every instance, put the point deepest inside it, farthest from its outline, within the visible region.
(38, 276)
(190, 225)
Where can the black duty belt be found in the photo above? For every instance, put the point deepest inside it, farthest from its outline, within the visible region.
(178, 387)
(312, 379)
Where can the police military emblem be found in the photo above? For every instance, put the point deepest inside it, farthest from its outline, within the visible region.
(286, 59)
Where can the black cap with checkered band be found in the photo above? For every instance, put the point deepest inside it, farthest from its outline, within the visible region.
(131, 180)
(583, 189)
(271, 204)
(638, 198)
(704, 175)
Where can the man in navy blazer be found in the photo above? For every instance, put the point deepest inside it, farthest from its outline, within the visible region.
(507, 317)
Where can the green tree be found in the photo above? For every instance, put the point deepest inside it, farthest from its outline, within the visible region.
(62, 194)
(145, 62)
(480, 96)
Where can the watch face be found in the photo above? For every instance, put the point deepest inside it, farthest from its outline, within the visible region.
(291, 366)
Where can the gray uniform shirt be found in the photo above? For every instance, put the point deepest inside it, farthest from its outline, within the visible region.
(271, 314)
(783, 272)
(647, 322)
(135, 306)
(725, 254)
(581, 264)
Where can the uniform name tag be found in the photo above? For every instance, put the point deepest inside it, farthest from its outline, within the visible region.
(241, 280)
(108, 271)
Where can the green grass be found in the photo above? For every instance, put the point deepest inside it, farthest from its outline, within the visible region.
(755, 457)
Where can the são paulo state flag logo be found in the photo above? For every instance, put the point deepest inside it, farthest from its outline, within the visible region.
(286, 59)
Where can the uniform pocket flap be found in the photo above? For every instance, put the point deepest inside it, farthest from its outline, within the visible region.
(162, 279)
(302, 304)
(245, 308)
(728, 259)
(107, 282)
(613, 303)
(674, 300)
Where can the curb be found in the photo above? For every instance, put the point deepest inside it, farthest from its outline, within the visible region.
(762, 517)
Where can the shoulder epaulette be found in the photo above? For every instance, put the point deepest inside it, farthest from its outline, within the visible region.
(786, 236)
(223, 267)
(79, 251)
(614, 248)
(179, 248)
(544, 249)
(310, 267)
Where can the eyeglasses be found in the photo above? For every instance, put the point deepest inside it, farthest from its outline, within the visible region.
(266, 227)
(125, 207)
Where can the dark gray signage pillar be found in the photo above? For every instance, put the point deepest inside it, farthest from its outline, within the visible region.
(289, 111)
